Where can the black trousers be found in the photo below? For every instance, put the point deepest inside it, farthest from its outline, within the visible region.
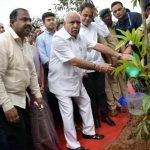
(95, 86)
(16, 135)
(3, 139)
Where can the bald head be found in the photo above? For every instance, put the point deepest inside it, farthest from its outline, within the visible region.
(72, 23)
(70, 14)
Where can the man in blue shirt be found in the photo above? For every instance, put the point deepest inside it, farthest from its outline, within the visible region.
(44, 40)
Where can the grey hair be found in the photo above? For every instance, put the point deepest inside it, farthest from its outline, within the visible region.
(68, 13)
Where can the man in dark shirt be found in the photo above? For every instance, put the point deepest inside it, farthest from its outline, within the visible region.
(126, 20)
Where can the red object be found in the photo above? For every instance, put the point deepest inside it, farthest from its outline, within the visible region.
(147, 13)
(111, 133)
(131, 89)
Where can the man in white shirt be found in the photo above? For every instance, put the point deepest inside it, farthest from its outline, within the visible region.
(17, 72)
(68, 55)
(94, 81)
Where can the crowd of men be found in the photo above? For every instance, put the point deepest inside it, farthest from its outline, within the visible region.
(67, 66)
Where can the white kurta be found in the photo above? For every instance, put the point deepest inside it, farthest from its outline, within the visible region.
(65, 81)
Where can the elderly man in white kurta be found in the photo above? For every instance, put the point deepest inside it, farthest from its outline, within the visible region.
(65, 77)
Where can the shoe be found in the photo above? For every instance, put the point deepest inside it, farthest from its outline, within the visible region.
(113, 113)
(108, 121)
(79, 148)
(97, 123)
(95, 137)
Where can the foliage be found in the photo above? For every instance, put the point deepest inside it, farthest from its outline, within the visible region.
(138, 39)
(134, 2)
(143, 128)
(70, 4)
(36, 22)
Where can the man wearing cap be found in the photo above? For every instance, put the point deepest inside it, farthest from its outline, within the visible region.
(106, 16)
(115, 86)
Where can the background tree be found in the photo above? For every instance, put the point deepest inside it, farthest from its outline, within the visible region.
(142, 5)
(66, 5)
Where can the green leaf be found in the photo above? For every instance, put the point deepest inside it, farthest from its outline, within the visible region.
(120, 44)
(146, 104)
(137, 39)
(134, 2)
(145, 129)
(121, 37)
(127, 34)
(143, 51)
(137, 62)
(138, 135)
(118, 69)
(133, 35)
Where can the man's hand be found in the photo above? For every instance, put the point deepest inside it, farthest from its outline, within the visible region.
(42, 89)
(12, 115)
(103, 67)
(40, 103)
(126, 57)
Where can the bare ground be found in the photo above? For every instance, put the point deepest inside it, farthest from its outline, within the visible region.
(126, 141)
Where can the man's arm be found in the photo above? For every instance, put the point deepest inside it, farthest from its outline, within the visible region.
(42, 50)
(108, 51)
(89, 65)
(34, 87)
(5, 102)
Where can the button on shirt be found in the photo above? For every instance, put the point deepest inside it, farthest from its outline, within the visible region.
(64, 78)
(91, 32)
(43, 43)
(17, 71)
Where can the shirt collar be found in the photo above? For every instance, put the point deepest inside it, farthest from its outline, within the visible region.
(85, 27)
(14, 35)
(66, 35)
(46, 31)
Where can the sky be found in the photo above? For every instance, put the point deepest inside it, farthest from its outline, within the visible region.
(37, 7)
